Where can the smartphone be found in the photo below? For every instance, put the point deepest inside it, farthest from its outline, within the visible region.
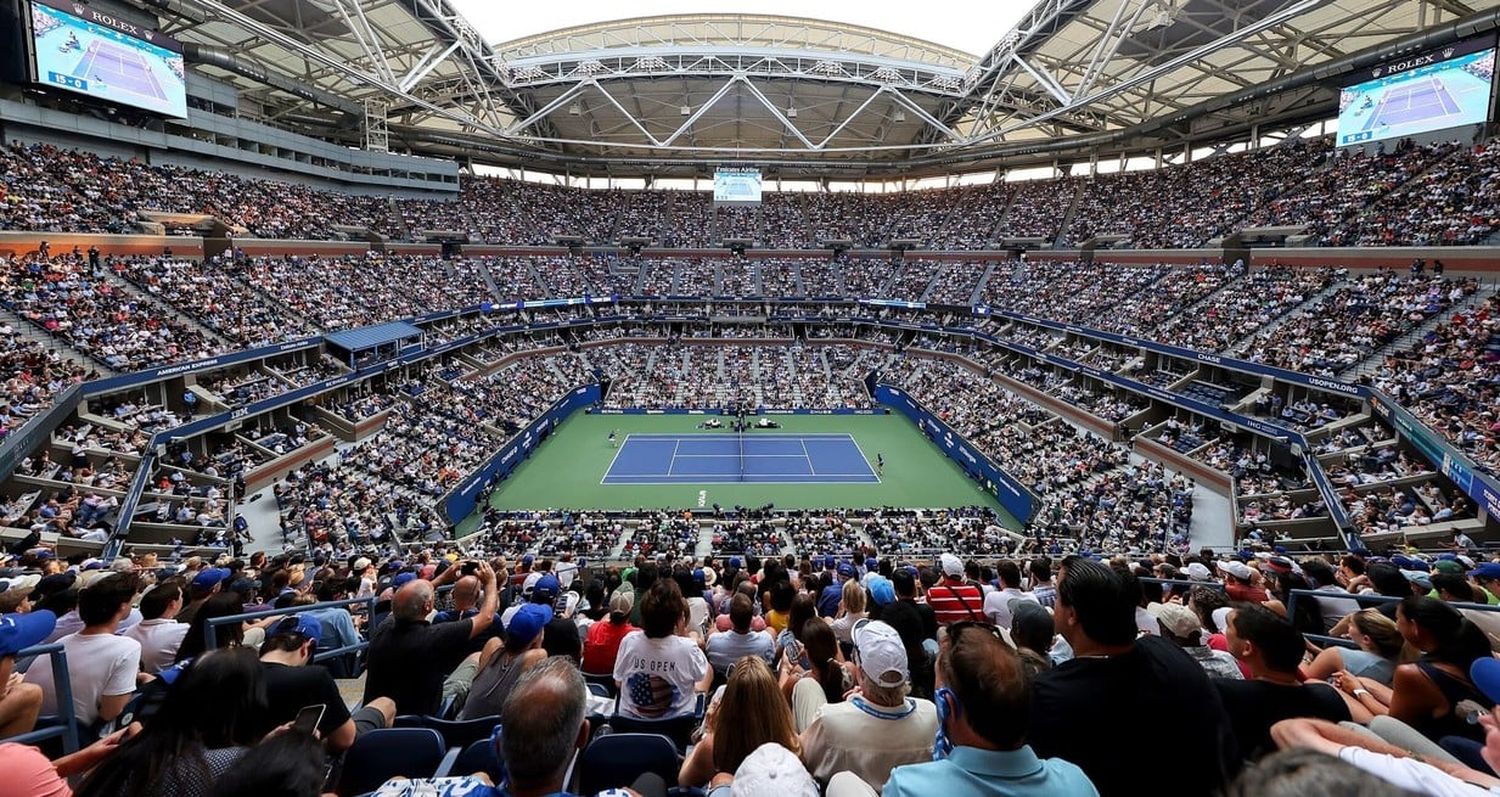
(309, 717)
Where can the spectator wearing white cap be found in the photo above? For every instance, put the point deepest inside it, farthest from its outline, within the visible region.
(1242, 582)
(770, 770)
(1181, 626)
(952, 599)
(880, 727)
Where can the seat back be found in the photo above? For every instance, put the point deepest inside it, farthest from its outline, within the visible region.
(480, 756)
(379, 755)
(456, 733)
(617, 759)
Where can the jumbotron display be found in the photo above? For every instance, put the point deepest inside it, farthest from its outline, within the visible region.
(734, 185)
(80, 49)
(1433, 91)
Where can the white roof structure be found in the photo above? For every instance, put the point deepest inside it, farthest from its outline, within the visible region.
(677, 94)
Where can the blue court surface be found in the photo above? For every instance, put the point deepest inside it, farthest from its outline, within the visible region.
(722, 458)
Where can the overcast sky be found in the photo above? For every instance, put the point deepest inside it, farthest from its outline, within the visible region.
(973, 27)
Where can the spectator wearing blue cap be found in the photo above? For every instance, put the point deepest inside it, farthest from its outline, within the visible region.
(1487, 576)
(20, 702)
(203, 584)
(829, 598)
(501, 665)
(292, 685)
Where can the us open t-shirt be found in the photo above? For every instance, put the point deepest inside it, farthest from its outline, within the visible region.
(658, 676)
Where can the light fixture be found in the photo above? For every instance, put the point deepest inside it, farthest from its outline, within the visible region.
(900, 116)
(575, 109)
(685, 111)
(791, 112)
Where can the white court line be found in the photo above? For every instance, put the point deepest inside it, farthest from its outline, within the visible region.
(861, 451)
(615, 457)
(811, 471)
(672, 463)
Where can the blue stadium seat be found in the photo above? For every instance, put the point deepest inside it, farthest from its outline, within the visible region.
(617, 759)
(379, 755)
(480, 756)
(455, 733)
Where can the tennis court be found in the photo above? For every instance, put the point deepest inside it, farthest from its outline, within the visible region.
(119, 68)
(751, 457)
(1419, 102)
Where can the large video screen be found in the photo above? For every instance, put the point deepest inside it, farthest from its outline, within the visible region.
(79, 49)
(736, 185)
(1420, 94)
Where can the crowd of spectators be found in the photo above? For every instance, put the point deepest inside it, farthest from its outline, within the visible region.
(848, 674)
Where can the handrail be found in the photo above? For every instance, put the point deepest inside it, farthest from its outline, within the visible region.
(1292, 595)
(210, 628)
(62, 683)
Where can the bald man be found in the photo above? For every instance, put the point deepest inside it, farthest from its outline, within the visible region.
(409, 656)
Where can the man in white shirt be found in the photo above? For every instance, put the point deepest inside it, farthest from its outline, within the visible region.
(102, 667)
(997, 603)
(159, 633)
(878, 729)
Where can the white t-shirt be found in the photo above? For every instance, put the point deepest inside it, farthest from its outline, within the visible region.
(997, 604)
(658, 676)
(1410, 774)
(99, 665)
(160, 639)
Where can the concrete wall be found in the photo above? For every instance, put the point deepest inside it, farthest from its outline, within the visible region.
(22, 243)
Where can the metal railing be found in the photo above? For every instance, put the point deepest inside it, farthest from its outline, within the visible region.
(62, 684)
(211, 627)
(1371, 600)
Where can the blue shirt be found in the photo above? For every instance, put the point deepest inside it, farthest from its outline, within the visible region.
(972, 771)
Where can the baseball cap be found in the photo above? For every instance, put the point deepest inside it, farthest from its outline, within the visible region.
(882, 591)
(772, 771)
(1179, 620)
(1418, 577)
(734, 562)
(1485, 673)
(1027, 615)
(710, 578)
(402, 579)
(952, 565)
(303, 624)
(22, 630)
(53, 584)
(528, 621)
(207, 578)
(1197, 571)
(1488, 570)
(846, 570)
(546, 589)
(1239, 570)
(27, 582)
(528, 559)
(361, 564)
(1450, 566)
(882, 656)
(622, 601)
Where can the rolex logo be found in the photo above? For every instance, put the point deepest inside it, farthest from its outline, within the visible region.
(1375, 72)
(1448, 52)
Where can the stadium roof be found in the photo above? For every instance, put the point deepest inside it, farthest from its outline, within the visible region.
(674, 95)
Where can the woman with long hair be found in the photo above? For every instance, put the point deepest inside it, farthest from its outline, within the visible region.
(1423, 698)
(823, 681)
(851, 610)
(750, 713)
(211, 715)
(1382, 648)
(804, 608)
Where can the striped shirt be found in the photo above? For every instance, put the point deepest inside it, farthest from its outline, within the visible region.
(953, 600)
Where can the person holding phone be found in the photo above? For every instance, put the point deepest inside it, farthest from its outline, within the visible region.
(291, 686)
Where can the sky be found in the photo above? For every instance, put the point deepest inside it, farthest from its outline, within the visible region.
(973, 27)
